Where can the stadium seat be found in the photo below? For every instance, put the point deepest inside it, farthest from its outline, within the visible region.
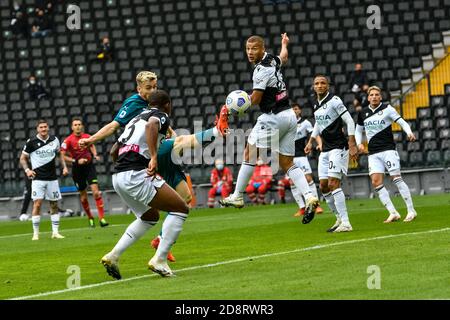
(416, 158)
(446, 157)
(433, 157)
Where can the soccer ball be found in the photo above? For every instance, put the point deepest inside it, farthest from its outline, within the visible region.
(238, 102)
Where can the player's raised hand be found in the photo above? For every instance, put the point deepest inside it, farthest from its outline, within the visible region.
(284, 39)
(411, 137)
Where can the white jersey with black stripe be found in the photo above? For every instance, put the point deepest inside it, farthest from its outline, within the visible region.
(42, 155)
(327, 114)
(378, 126)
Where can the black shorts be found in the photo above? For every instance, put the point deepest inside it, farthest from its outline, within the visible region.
(84, 175)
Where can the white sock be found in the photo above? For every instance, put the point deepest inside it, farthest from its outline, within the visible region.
(330, 202)
(313, 188)
(298, 178)
(172, 226)
(405, 193)
(297, 196)
(55, 222)
(134, 231)
(339, 202)
(244, 175)
(383, 194)
(36, 220)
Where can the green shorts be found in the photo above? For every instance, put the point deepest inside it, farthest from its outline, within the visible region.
(171, 172)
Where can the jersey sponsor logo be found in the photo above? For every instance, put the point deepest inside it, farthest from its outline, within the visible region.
(129, 148)
(374, 123)
(44, 153)
(322, 117)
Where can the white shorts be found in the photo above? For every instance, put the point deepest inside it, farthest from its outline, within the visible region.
(386, 160)
(276, 132)
(136, 189)
(333, 163)
(303, 163)
(48, 190)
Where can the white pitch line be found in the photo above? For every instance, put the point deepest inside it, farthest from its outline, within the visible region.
(191, 220)
(321, 246)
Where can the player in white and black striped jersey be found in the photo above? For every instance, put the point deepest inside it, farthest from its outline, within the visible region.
(331, 114)
(41, 151)
(376, 120)
(275, 129)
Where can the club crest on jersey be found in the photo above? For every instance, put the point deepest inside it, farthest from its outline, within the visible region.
(380, 112)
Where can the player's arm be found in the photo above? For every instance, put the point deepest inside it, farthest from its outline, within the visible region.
(66, 157)
(93, 150)
(284, 48)
(62, 161)
(114, 152)
(347, 118)
(103, 133)
(405, 126)
(151, 136)
(314, 135)
(359, 133)
(24, 157)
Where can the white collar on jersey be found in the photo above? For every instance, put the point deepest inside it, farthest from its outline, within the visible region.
(320, 101)
(373, 110)
(45, 141)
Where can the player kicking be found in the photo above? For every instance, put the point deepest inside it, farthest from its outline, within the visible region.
(278, 122)
(376, 120)
(42, 150)
(138, 185)
(83, 170)
(330, 114)
(173, 173)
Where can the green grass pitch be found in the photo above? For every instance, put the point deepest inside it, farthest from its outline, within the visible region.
(252, 253)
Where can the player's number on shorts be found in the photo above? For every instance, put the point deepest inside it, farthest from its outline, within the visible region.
(132, 127)
(388, 164)
(55, 194)
(330, 165)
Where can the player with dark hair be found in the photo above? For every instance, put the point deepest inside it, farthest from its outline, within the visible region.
(41, 151)
(331, 114)
(83, 170)
(277, 123)
(138, 185)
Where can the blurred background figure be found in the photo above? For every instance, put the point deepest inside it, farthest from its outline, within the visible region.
(260, 182)
(19, 20)
(222, 182)
(106, 51)
(36, 90)
(359, 83)
(41, 26)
